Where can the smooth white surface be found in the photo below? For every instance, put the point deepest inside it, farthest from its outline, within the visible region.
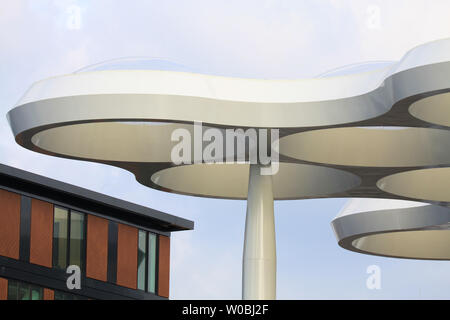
(402, 229)
(234, 89)
(357, 205)
(259, 261)
(201, 85)
(151, 95)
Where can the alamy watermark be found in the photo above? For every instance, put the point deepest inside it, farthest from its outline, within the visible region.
(373, 282)
(373, 20)
(214, 145)
(74, 280)
(74, 17)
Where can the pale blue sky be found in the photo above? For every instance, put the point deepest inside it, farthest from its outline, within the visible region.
(268, 39)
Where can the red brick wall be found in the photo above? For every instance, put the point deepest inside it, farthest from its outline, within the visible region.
(164, 266)
(127, 247)
(49, 294)
(97, 248)
(3, 289)
(41, 239)
(9, 224)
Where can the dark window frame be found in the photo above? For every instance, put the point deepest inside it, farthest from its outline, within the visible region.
(83, 246)
(61, 295)
(24, 285)
(147, 255)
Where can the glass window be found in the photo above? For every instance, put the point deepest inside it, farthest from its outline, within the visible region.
(151, 262)
(60, 238)
(147, 261)
(36, 293)
(12, 290)
(24, 291)
(68, 238)
(76, 238)
(142, 259)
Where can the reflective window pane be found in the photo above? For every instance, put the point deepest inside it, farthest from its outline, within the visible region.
(12, 290)
(151, 262)
(59, 295)
(142, 254)
(76, 238)
(24, 291)
(60, 227)
(36, 293)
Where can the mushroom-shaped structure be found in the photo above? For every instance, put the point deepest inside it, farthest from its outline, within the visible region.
(352, 133)
(394, 228)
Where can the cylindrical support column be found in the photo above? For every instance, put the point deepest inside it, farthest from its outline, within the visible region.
(259, 261)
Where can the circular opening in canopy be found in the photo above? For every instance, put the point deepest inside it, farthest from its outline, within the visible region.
(416, 244)
(398, 228)
(112, 141)
(140, 141)
(370, 146)
(292, 181)
(425, 184)
(434, 109)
